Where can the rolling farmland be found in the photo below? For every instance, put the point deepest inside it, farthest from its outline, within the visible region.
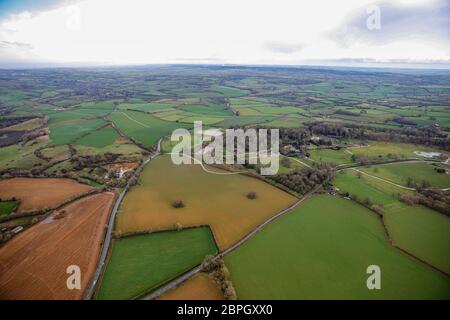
(37, 194)
(33, 264)
(301, 262)
(412, 173)
(227, 210)
(141, 263)
(419, 230)
(423, 232)
(78, 137)
(143, 127)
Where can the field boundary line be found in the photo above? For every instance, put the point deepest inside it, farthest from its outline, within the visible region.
(419, 259)
(138, 122)
(45, 212)
(259, 227)
(301, 162)
(122, 134)
(384, 180)
(203, 166)
(396, 246)
(150, 231)
(174, 283)
(107, 240)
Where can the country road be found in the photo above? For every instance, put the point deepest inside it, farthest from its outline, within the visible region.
(177, 281)
(88, 293)
(393, 183)
(301, 162)
(262, 225)
(172, 284)
(384, 180)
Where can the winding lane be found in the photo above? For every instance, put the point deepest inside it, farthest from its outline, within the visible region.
(88, 293)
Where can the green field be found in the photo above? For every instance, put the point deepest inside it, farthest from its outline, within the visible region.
(76, 114)
(246, 111)
(141, 263)
(244, 120)
(422, 232)
(329, 155)
(125, 147)
(6, 207)
(143, 127)
(171, 115)
(26, 125)
(206, 120)
(148, 107)
(277, 110)
(22, 156)
(289, 166)
(211, 196)
(99, 138)
(321, 250)
(417, 229)
(210, 109)
(417, 172)
(229, 91)
(167, 144)
(66, 132)
(99, 106)
(58, 153)
(8, 154)
(389, 150)
(363, 186)
(84, 123)
(286, 122)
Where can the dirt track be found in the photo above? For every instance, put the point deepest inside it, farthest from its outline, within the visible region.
(37, 194)
(33, 264)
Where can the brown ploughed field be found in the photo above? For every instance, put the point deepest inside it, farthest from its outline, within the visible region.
(37, 194)
(33, 264)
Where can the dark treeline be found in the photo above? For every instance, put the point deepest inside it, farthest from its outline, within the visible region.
(404, 121)
(10, 121)
(304, 180)
(430, 135)
(346, 113)
(434, 199)
(81, 162)
(218, 272)
(296, 137)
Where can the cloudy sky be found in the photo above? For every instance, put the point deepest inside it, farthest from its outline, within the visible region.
(344, 32)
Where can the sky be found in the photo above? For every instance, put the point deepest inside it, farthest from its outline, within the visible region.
(287, 32)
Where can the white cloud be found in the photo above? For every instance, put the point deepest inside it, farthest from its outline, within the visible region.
(231, 31)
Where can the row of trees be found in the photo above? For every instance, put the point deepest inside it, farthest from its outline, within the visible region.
(81, 162)
(304, 180)
(366, 202)
(10, 121)
(434, 199)
(219, 273)
(428, 135)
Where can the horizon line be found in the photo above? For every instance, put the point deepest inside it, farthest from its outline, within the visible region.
(443, 66)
